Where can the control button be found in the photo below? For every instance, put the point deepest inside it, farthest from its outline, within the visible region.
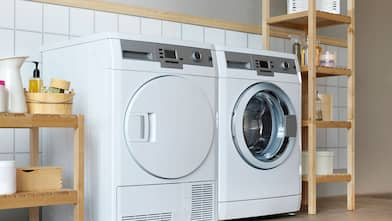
(285, 65)
(196, 56)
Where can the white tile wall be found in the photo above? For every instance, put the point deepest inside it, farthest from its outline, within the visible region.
(106, 22)
(171, 30)
(28, 43)
(54, 38)
(214, 36)
(22, 140)
(332, 138)
(56, 19)
(255, 41)
(236, 39)
(129, 24)
(7, 14)
(342, 158)
(6, 42)
(333, 90)
(321, 137)
(28, 15)
(7, 156)
(151, 27)
(277, 44)
(192, 33)
(288, 48)
(7, 141)
(33, 24)
(81, 21)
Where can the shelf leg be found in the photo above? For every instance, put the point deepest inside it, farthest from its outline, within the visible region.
(79, 169)
(351, 106)
(34, 161)
(312, 139)
(266, 29)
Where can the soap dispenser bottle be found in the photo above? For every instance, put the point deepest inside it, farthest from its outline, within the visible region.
(36, 83)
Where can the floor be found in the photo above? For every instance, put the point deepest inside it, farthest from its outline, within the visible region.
(376, 208)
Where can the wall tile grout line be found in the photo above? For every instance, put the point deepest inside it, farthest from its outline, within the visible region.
(118, 23)
(14, 49)
(94, 21)
(69, 22)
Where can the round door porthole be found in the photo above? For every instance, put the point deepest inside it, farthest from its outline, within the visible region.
(264, 126)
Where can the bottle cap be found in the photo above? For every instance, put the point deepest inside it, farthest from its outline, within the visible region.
(36, 70)
(2, 83)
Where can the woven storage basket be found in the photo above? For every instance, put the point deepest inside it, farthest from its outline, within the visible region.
(47, 103)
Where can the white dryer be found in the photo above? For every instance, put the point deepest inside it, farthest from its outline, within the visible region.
(150, 108)
(259, 133)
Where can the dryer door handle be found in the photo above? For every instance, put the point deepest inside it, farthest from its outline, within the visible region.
(137, 127)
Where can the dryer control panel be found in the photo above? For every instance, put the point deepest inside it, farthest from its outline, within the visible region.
(170, 56)
(264, 65)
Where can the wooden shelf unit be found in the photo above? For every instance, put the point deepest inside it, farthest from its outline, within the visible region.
(36, 199)
(300, 20)
(308, 22)
(327, 71)
(333, 178)
(33, 200)
(328, 124)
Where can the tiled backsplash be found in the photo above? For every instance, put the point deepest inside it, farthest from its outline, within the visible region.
(25, 26)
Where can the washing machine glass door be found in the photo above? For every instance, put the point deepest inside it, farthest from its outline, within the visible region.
(264, 126)
(169, 127)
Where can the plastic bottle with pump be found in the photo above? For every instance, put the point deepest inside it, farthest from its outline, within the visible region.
(35, 83)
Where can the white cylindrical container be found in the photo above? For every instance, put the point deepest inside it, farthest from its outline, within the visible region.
(7, 177)
(328, 59)
(330, 6)
(324, 163)
(3, 97)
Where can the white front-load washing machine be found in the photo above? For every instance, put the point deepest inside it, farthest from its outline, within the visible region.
(259, 133)
(150, 108)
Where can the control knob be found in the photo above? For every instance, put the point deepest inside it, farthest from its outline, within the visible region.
(285, 65)
(196, 56)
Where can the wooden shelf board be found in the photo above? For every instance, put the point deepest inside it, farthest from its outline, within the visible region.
(35, 199)
(329, 124)
(328, 71)
(299, 21)
(8, 120)
(333, 178)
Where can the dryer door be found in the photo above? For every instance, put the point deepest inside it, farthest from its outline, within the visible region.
(264, 126)
(169, 127)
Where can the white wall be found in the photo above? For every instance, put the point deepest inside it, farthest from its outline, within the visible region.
(25, 26)
(374, 80)
(247, 12)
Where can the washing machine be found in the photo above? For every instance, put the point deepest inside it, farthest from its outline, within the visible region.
(259, 133)
(150, 108)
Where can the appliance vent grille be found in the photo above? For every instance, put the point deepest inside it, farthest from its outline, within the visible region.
(149, 217)
(202, 202)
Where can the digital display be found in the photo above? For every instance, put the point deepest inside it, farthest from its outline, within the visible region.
(170, 54)
(264, 64)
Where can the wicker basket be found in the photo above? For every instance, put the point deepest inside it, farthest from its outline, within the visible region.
(49, 103)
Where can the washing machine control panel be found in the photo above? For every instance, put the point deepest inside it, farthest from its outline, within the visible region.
(170, 56)
(264, 65)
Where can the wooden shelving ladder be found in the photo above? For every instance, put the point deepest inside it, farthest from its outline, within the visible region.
(309, 22)
(34, 200)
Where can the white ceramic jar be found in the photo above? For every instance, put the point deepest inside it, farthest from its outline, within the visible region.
(7, 177)
(3, 97)
(10, 73)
